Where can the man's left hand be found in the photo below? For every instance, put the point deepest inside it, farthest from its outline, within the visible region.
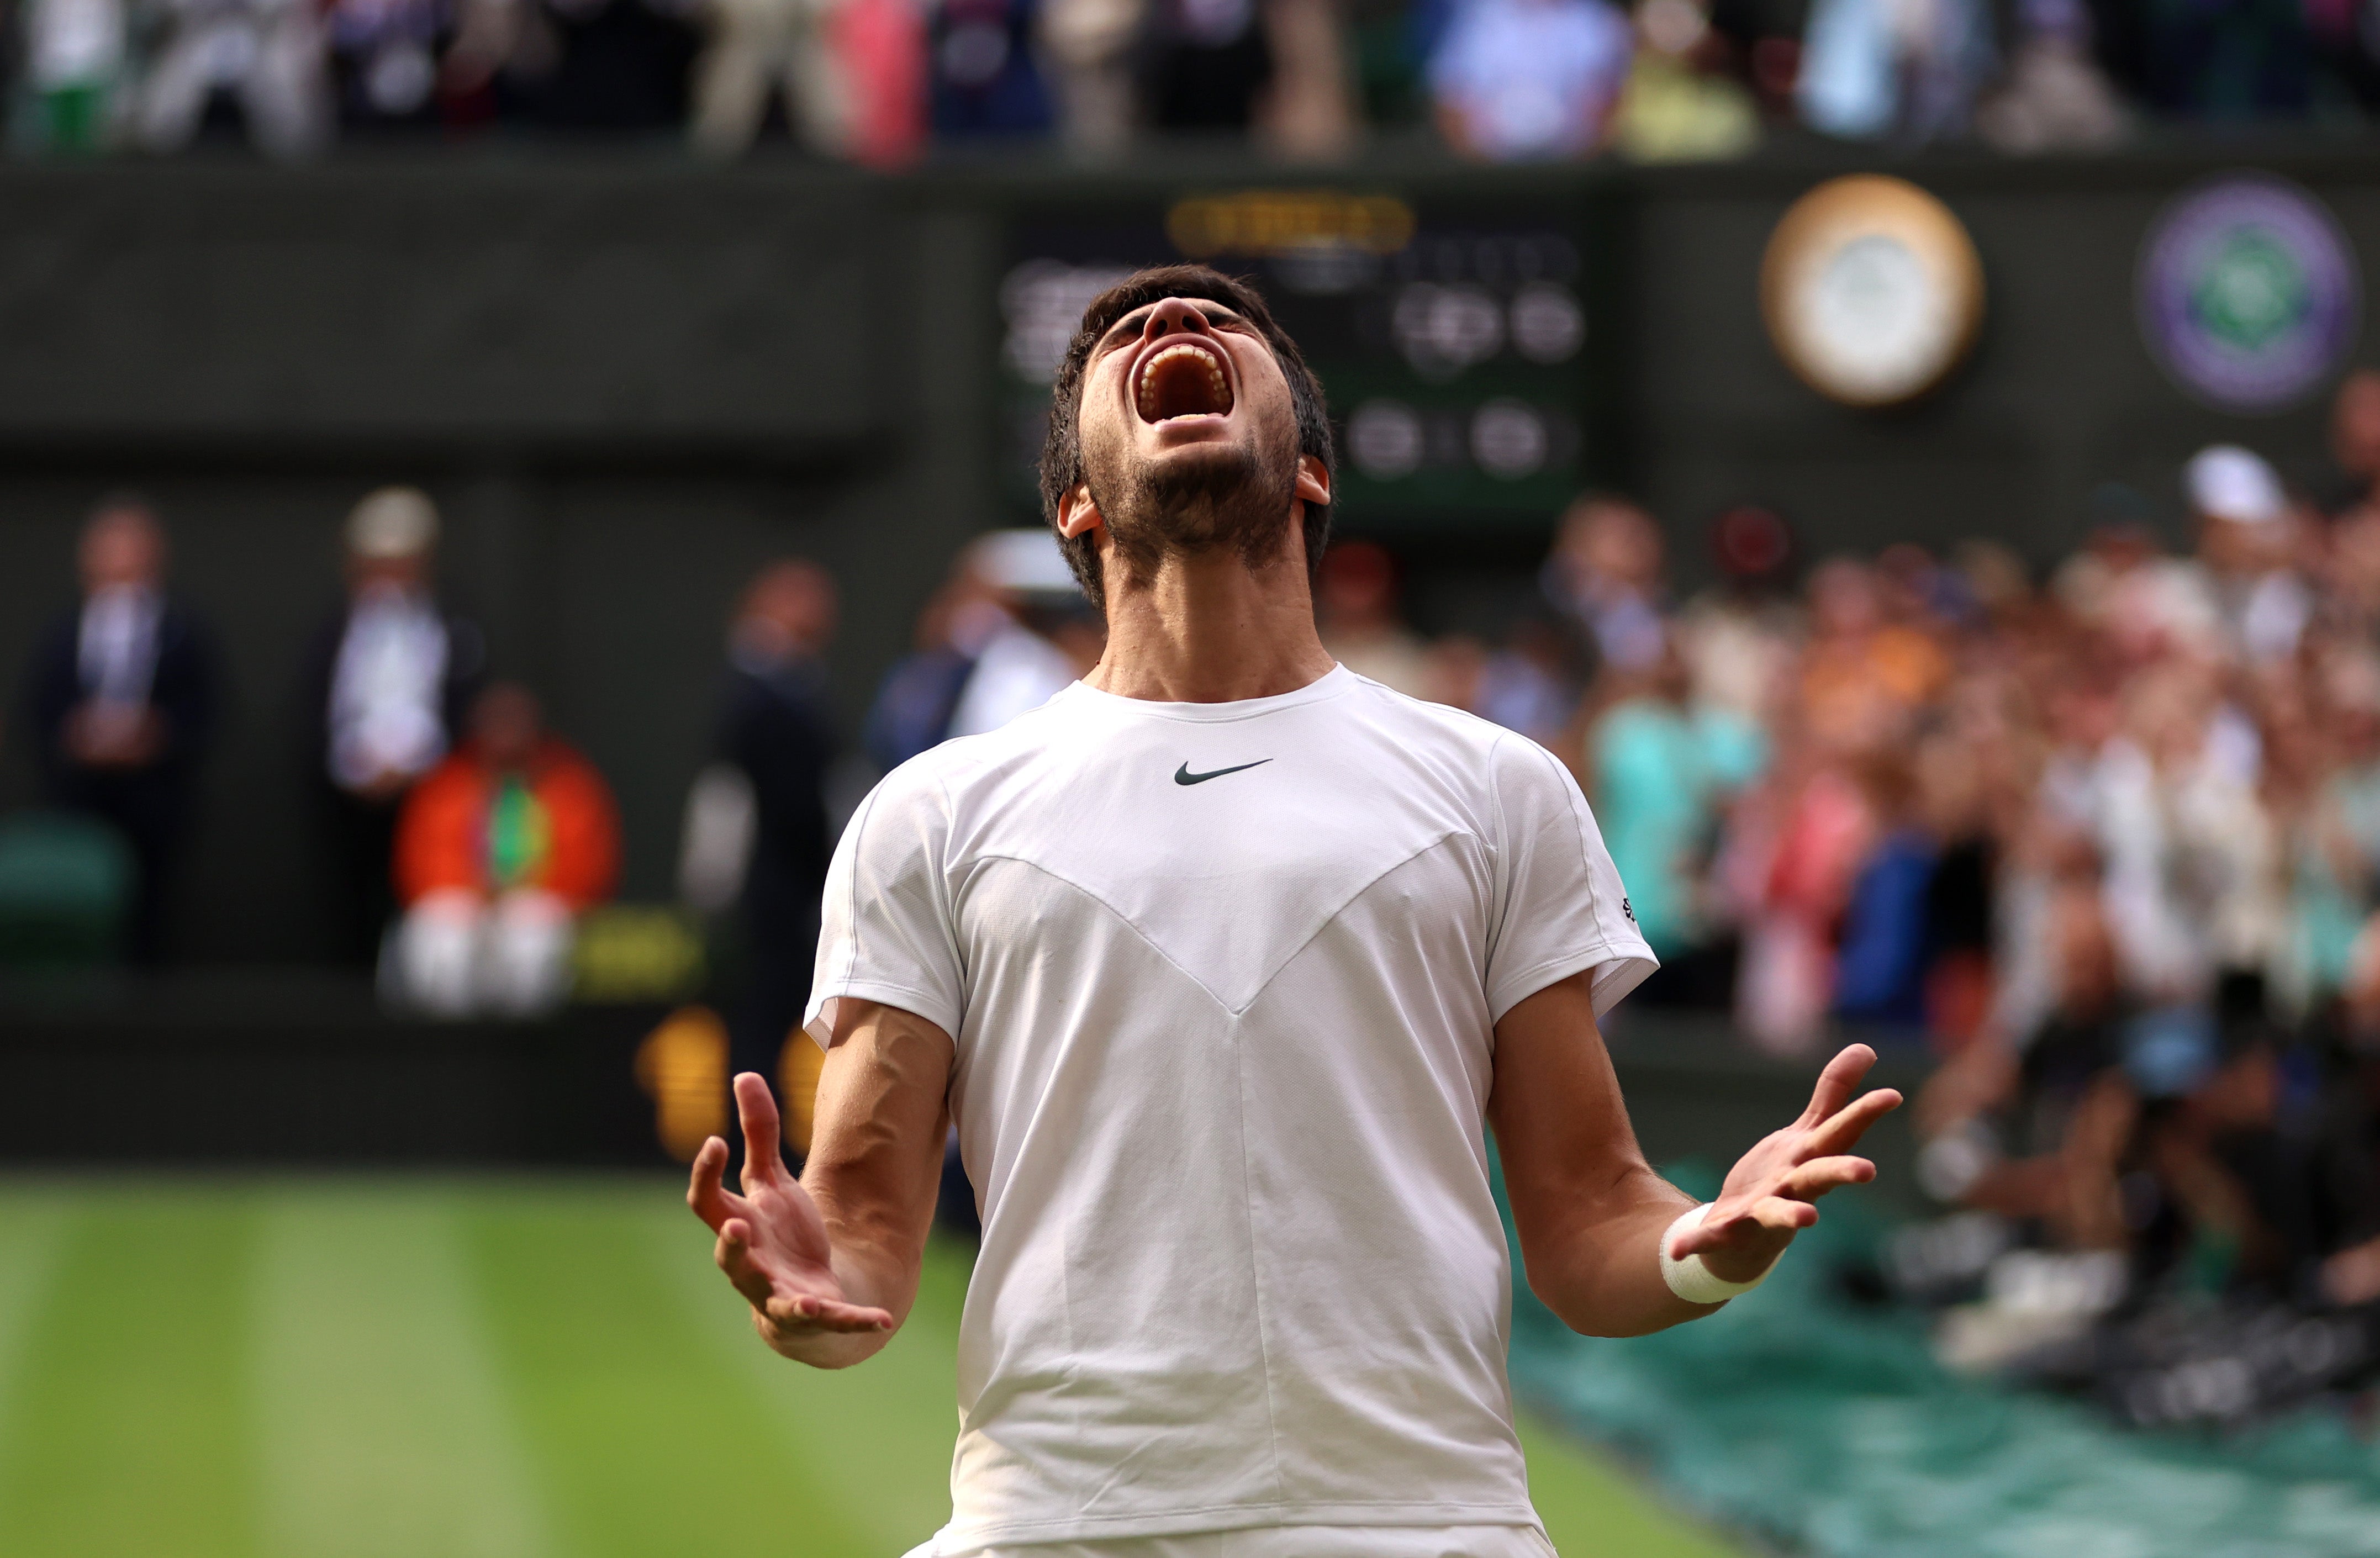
(1770, 1194)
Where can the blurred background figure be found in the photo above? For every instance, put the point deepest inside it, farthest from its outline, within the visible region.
(384, 63)
(757, 833)
(267, 58)
(1661, 768)
(77, 63)
(1038, 635)
(1309, 113)
(387, 684)
(1683, 101)
(1209, 64)
(1355, 607)
(120, 696)
(2053, 95)
(1092, 45)
(1606, 577)
(1527, 78)
(497, 852)
(759, 47)
(985, 82)
(1870, 69)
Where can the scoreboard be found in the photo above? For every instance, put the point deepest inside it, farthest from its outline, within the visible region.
(1471, 366)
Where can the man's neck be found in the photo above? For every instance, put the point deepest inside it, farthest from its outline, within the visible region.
(1210, 629)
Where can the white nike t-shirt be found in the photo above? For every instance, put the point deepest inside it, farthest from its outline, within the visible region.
(1223, 980)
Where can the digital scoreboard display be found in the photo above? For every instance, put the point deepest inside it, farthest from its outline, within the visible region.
(1469, 374)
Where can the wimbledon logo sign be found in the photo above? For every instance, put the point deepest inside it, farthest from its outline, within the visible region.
(2247, 292)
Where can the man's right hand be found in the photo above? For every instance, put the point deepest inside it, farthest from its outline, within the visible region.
(772, 1243)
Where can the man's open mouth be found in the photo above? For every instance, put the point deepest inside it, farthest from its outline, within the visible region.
(1183, 379)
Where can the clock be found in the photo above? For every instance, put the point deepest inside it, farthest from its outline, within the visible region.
(1871, 289)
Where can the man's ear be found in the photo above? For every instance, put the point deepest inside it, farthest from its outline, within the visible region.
(1078, 514)
(1313, 481)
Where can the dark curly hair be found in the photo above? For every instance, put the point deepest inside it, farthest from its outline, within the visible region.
(1061, 452)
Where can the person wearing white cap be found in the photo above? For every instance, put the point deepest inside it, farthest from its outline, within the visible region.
(390, 676)
(2247, 541)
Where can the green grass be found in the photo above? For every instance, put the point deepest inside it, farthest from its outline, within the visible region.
(481, 1369)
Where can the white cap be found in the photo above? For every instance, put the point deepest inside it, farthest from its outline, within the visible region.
(392, 522)
(2225, 482)
(1027, 561)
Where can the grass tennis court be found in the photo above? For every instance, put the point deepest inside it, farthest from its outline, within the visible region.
(462, 1369)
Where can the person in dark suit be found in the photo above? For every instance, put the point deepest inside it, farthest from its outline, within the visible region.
(388, 682)
(777, 728)
(121, 698)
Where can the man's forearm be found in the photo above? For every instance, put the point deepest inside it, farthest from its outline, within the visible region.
(1602, 1277)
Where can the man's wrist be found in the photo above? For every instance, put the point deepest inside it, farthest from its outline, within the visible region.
(1690, 1278)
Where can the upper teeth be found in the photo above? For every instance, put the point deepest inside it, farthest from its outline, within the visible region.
(1147, 392)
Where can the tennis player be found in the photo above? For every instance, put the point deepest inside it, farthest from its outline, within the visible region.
(1223, 962)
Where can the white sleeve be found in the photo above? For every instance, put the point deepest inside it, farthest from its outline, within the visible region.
(1560, 905)
(886, 931)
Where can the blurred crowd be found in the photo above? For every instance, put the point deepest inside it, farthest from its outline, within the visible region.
(880, 81)
(2101, 839)
(2098, 837)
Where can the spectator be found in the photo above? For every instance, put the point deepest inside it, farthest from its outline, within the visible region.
(1604, 576)
(2247, 551)
(915, 702)
(76, 62)
(1661, 770)
(387, 684)
(265, 55)
(1682, 103)
(383, 61)
(1738, 637)
(1523, 78)
(985, 83)
(121, 696)
(1039, 637)
(1870, 69)
(777, 737)
(1309, 112)
(760, 46)
(2355, 442)
(1090, 45)
(1209, 64)
(2053, 96)
(1355, 607)
(881, 45)
(497, 852)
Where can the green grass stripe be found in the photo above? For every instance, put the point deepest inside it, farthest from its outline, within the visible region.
(879, 1434)
(1592, 1509)
(381, 1429)
(132, 1402)
(646, 1439)
(32, 1230)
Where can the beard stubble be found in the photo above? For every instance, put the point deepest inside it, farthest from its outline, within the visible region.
(1227, 496)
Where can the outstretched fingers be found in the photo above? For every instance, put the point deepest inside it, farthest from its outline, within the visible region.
(1837, 1081)
(756, 1108)
(1841, 1132)
(707, 1193)
(1807, 1182)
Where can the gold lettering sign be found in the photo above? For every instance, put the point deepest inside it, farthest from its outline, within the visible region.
(1274, 220)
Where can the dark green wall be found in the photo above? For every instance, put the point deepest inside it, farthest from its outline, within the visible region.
(629, 383)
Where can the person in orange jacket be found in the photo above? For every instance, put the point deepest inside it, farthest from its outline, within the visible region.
(498, 850)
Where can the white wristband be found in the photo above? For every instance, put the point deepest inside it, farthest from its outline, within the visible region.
(1690, 1279)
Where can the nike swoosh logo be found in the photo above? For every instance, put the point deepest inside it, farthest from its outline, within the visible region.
(1184, 776)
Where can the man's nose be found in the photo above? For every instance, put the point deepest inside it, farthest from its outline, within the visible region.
(1175, 313)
